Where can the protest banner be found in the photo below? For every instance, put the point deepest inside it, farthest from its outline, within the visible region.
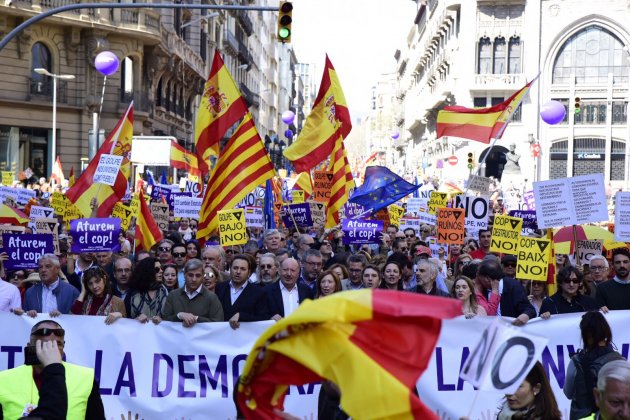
(355, 211)
(6, 192)
(529, 201)
(49, 226)
(502, 358)
(59, 202)
(38, 212)
(414, 204)
(95, 235)
(410, 223)
(322, 185)
(255, 198)
(10, 201)
(193, 187)
(10, 229)
(450, 224)
(107, 169)
(186, 206)
(297, 215)
(571, 201)
(254, 217)
(7, 178)
(25, 250)
(438, 199)
(161, 194)
(533, 258)
(476, 212)
(160, 213)
(434, 246)
(505, 234)
(425, 217)
(622, 216)
(586, 249)
(72, 213)
(395, 213)
(23, 195)
(480, 184)
(297, 196)
(360, 231)
(232, 229)
(318, 213)
(528, 216)
(123, 213)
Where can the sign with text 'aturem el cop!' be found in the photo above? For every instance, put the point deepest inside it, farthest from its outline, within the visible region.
(95, 235)
(359, 231)
(25, 250)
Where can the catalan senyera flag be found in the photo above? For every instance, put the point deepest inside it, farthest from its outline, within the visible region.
(328, 120)
(71, 178)
(305, 183)
(85, 189)
(379, 337)
(244, 164)
(147, 231)
(183, 159)
(479, 124)
(57, 172)
(342, 183)
(221, 107)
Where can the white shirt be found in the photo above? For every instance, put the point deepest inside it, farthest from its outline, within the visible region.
(290, 299)
(618, 280)
(49, 300)
(236, 292)
(191, 295)
(9, 296)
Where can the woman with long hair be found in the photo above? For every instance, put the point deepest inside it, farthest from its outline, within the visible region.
(150, 294)
(533, 399)
(568, 298)
(464, 290)
(169, 277)
(392, 276)
(193, 250)
(537, 294)
(340, 270)
(210, 278)
(96, 297)
(584, 366)
(327, 283)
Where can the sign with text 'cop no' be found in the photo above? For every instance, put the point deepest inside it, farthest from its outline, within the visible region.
(95, 235)
(232, 229)
(450, 226)
(25, 250)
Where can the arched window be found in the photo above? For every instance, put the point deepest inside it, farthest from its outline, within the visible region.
(485, 56)
(499, 56)
(40, 59)
(514, 55)
(126, 80)
(159, 93)
(167, 104)
(591, 55)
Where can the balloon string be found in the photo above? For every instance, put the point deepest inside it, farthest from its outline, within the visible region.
(100, 108)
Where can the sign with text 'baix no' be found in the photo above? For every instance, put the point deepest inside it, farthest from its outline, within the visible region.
(533, 258)
(95, 235)
(438, 199)
(232, 229)
(297, 215)
(505, 233)
(360, 231)
(322, 184)
(450, 226)
(107, 169)
(25, 250)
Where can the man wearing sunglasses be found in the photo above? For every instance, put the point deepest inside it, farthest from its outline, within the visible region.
(179, 257)
(45, 387)
(508, 263)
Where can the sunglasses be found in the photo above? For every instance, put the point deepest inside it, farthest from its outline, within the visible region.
(179, 254)
(510, 265)
(410, 236)
(265, 266)
(164, 249)
(421, 270)
(208, 275)
(157, 269)
(569, 281)
(229, 251)
(45, 332)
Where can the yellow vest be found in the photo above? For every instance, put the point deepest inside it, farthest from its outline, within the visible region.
(17, 389)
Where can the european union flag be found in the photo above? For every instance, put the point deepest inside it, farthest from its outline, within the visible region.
(381, 188)
(150, 178)
(164, 179)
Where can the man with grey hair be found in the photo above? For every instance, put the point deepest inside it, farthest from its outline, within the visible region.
(52, 295)
(303, 244)
(268, 269)
(193, 303)
(612, 394)
(215, 255)
(426, 275)
(311, 267)
(271, 240)
(599, 269)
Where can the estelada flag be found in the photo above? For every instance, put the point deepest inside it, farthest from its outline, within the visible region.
(373, 344)
(479, 124)
(221, 107)
(147, 231)
(85, 189)
(328, 119)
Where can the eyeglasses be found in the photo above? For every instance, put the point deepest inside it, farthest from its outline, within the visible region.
(265, 266)
(179, 254)
(314, 264)
(45, 332)
(157, 269)
(229, 251)
(597, 268)
(164, 248)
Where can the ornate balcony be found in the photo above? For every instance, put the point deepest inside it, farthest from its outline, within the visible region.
(498, 81)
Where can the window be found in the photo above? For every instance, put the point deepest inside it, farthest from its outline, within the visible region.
(203, 45)
(591, 55)
(40, 58)
(496, 100)
(479, 102)
(514, 55)
(126, 80)
(619, 112)
(593, 113)
(159, 93)
(485, 56)
(499, 56)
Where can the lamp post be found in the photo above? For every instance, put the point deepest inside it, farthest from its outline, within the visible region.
(54, 118)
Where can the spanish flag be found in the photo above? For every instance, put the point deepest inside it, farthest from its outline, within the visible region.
(221, 107)
(305, 183)
(147, 231)
(243, 165)
(328, 120)
(479, 124)
(57, 172)
(183, 159)
(373, 344)
(12, 216)
(342, 183)
(84, 190)
(71, 178)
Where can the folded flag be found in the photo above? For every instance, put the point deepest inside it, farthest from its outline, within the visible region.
(381, 188)
(147, 231)
(373, 344)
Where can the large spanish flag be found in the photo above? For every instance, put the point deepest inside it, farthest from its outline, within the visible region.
(183, 159)
(328, 119)
(479, 124)
(374, 344)
(84, 190)
(243, 165)
(147, 231)
(221, 107)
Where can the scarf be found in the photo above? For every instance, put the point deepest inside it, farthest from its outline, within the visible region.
(103, 310)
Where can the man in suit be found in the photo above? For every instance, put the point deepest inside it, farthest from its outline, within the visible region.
(241, 300)
(284, 296)
(53, 295)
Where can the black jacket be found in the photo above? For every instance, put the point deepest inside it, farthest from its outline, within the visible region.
(514, 300)
(251, 304)
(274, 297)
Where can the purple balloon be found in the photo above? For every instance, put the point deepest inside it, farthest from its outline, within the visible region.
(288, 116)
(288, 134)
(107, 63)
(395, 135)
(553, 112)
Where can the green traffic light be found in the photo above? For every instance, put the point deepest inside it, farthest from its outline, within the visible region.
(284, 33)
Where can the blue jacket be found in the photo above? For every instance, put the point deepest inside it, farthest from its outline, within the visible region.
(65, 294)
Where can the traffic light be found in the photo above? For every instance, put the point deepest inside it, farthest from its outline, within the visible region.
(577, 106)
(471, 160)
(284, 21)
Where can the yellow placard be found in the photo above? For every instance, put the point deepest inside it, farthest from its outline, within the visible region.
(534, 255)
(134, 206)
(437, 199)
(297, 196)
(395, 213)
(506, 231)
(7, 178)
(124, 214)
(59, 203)
(72, 212)
(232, 229)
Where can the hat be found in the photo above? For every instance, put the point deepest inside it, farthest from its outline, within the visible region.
(33, 277)
(423, 250)
(508, 259)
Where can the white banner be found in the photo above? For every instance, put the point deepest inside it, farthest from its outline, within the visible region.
(107, 169)
(132, 360)
(622, 216)
(187, 206)
(254, 217)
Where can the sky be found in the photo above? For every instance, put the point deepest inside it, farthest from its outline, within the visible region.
(360, 37)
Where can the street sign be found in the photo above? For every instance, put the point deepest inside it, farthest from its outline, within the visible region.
(453, 160)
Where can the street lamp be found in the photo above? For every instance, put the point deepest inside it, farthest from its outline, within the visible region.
(45, 72)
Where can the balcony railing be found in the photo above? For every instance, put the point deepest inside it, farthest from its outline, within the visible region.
(141, 101)
(251, 98)
(44, 88)
(231, 40)
(243, 53)
(246, 23)
(499, 81)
